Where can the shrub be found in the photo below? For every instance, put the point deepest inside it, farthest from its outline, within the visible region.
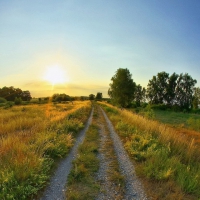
(18, 101)
(2, 100)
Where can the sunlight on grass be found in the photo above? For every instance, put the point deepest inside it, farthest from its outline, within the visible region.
(32, 138)
(163, 153)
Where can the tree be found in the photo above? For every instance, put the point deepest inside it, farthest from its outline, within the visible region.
(10, 93)
(157, 88)
(171, 89)
(91, 97)
(139, 94)
(99, 96)
(61, 97)
(122, 88)
(196, 98)
(26, 96)
(184, 90)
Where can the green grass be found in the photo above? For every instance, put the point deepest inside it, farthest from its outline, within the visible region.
(174, 118)
(81, 181)
(161, 156)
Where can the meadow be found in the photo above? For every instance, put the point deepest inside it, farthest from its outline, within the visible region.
(32, 140)
(166, 159)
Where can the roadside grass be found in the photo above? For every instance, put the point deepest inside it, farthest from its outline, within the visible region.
(82, 183)
(114, 174)
(175, 118)
(32, 139)
(162, 155)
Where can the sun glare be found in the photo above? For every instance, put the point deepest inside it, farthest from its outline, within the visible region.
(55, 75)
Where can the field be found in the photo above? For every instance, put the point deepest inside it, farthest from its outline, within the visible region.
(167, 160)
(177, 119)
(32, 138)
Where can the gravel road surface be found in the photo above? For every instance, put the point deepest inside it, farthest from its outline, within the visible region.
(133, 187)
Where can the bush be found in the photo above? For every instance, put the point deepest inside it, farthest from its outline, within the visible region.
(176, 108)
(2, 100)
(18, 101)
(159, 106)
(9, 104)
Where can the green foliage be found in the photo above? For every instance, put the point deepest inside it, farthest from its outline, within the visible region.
(18, 101)
(122, 88)
(91, 97)
(149, 113)
(158, 161)
(196, 98)
(110, 110)
(172, 90)
(60, 97)
(2, 100)
(10, 93)
(139, 95)
(12, 187)
(140, 146)
(99, 96)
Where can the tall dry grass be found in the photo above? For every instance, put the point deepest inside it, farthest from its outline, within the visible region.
(163, 153)
(31, 138)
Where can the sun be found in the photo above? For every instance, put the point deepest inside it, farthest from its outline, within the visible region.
(55, 75)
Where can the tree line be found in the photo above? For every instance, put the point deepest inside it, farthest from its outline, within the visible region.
(11, 94)
(170, 90)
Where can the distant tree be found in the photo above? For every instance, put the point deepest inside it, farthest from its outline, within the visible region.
(61, 97)
(139, 94)
(82, 98)
(99, 96)
(184, 90)
(91, 97)
(157, 88)
(196, 98)
(10, 93)
(46, 98)
(26, 96)
(171, 89)
(122, 88)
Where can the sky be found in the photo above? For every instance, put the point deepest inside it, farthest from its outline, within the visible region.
(82, 43)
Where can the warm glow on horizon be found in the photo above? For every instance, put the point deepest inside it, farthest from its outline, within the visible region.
(55, 75)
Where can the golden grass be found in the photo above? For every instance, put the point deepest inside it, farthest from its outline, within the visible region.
(28, 144)
(167, 159)
(183, 143)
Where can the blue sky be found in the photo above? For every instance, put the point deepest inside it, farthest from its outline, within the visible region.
(89, 40)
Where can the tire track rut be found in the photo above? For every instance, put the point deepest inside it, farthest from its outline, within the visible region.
(133, 187)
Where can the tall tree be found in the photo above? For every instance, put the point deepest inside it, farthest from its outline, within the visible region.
(196, 97)
(91, 97)
(184, 90)
(157, 88)
(171, 89)
(99, 96)
(139, 94)
(10, 93)
(122, 88)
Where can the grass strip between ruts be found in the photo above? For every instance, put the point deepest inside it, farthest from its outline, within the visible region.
(81, 180)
